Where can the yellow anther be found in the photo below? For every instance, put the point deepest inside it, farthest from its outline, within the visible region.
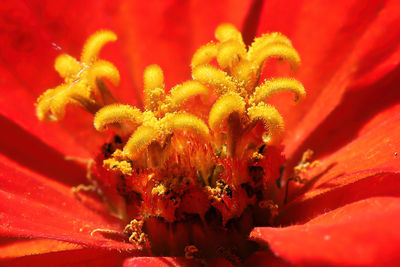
(218, 79)
(223, 107)
(103, 69)
(153, 87)
(226, 32)
(266, 39)
(67, 66)
(180, 93)
(184, 121)
(276, 50)
(117, 113)
(94, 44)
(272, 120)
(140, 140)
(204, 54)
(273, 86)
(229, 53)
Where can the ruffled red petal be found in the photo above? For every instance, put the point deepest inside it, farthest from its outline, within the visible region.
(79, 257)
(17, 247)
(361, 233)
(34, 206)
(344, 52)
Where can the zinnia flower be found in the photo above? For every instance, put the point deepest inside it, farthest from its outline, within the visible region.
(342, 210)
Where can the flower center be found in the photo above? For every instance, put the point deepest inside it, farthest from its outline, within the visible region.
(199, 161)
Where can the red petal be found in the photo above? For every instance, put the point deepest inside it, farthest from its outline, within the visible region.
(339, 192)
(78, 257)
(361, 233)
(169, 32)
(345, 48)
(160, 262)
(36, 207)
(372, 149)
(20, 248)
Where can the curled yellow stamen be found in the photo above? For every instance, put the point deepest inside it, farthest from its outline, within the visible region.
(81, 87)
(94, 44)
(180, 93)
(266, 39)
(184, 121)
(273, 86)
(230, 53)
(272, 120)
(223, 107)
(279, 51)
(204, 54)
(140, 140)
(214, 77)
(116, 113)
(67, 66)
(226, 32)
(103, 69)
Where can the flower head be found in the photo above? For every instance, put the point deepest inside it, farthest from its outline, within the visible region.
(222, 156)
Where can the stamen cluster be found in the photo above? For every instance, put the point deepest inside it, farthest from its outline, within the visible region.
(165, 165)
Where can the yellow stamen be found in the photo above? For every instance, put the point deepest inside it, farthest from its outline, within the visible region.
(271, 119)
(226, 32)
(218, 79)
(94, 44)
(103, 69)
(140, 140)
(274, 86)
(81, 87)
(230, 53)
(184, 121)
(153, 87)
(117, 113)
(266, 39)
(67, 66)
(223, 107)
(179, 94)
(276, 50)
(204, 55)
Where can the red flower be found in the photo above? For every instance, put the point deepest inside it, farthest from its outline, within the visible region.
(347, 212)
